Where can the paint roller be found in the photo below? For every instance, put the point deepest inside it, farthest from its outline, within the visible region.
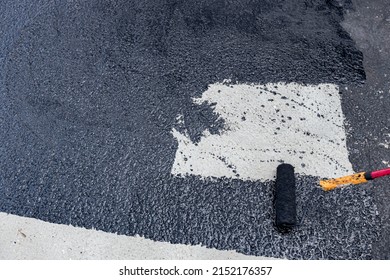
(285, 197)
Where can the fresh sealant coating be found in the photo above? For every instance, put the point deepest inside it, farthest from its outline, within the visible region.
(90, 92)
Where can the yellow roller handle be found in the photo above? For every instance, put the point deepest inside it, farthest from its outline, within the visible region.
(328, 185)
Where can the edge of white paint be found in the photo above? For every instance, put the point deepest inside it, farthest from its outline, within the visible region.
(259, 135)
(24, 238)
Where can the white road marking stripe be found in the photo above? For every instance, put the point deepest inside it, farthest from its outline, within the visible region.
(266, 124)
(27, 238)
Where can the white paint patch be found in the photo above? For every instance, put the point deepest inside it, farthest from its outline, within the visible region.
(266, 125)
(25, 238)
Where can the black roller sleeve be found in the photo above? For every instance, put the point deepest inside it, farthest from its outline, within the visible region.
(285, 201)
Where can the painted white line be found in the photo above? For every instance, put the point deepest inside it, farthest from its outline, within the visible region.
(265, 125)
(26, 238)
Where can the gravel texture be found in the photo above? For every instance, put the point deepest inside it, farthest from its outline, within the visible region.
(89, 94)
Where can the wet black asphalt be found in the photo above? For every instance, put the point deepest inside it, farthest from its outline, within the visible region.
(90, 91)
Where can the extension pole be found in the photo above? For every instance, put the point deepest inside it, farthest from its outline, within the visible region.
(358, 178)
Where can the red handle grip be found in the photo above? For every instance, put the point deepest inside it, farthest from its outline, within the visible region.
(380, 173)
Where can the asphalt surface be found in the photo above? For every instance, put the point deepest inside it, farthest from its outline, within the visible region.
(367, 108)
(90, 91)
